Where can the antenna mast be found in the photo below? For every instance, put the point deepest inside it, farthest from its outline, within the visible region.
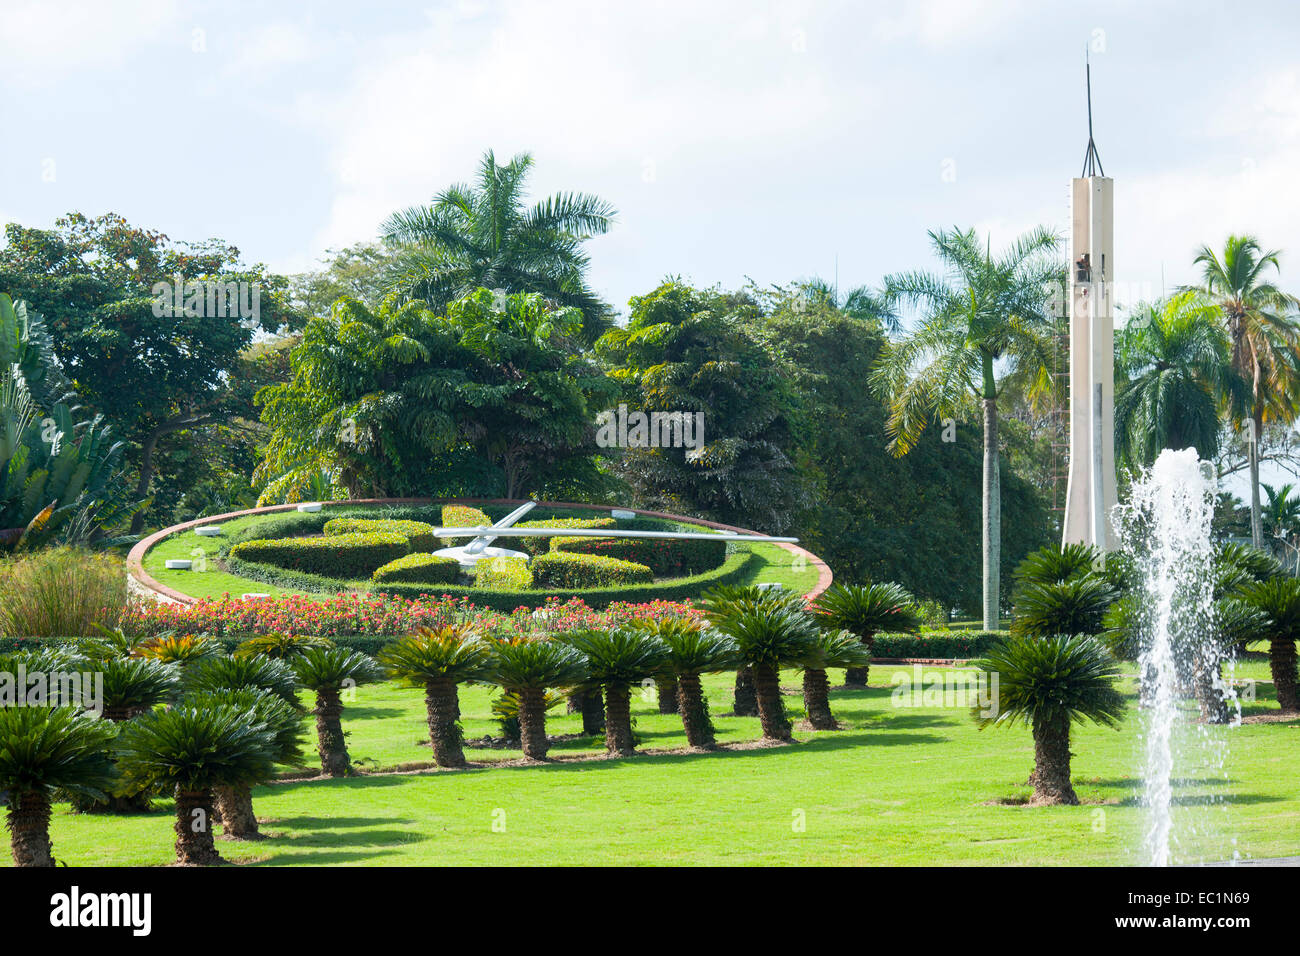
(1091, 159)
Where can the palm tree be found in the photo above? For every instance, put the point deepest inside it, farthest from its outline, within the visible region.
(828, 649)
(43, 750)
(1263, 339)
(527, 667)
(1279, 600)
(1060, 592)
(483, 235)
(1173, 361)
(328, 671)
(693, 650)
(981, 314)
(182, 649)
(238, 673)
(1282, 511)
(617, 659)
(191, 751)
(439, 659)
(1050, 683)
(280, 646)
(866, 610)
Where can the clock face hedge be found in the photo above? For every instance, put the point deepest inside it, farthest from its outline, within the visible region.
(418, 569)
(536, 546)
(503, 574)
(559, 569)
(418, 533)
(461, 516)
(343, 556)
(665, 557)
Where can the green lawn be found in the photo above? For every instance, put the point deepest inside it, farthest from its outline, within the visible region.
(896, 786)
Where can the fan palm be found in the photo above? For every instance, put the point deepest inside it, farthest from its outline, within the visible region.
(1051, 683)
(329, 671)
(693, 650)
(1279, 600)
(191, 751)
(828, 649)
(438, 659)
(483, 235)
(617, 659)
(980, 314)
(866, 610)
(1172, 359)
(43, 750)
(527, 667)
(1263, 339)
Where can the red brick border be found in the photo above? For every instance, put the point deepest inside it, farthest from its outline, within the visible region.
(161, 592)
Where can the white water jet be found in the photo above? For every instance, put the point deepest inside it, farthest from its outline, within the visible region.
(1165, 528)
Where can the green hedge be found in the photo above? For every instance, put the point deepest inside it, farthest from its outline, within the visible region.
(503, 574)
(461, 516)
(419, 569)
(341, 556)
(559, 569)
(419, 534)
(663, 556)
(536, 546)
(937, 644)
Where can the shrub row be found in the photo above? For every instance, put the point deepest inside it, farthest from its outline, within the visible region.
(937, 644)
(419, 569)
(559, 569)
(664, 557)
(503, 574)
(536, 546)
(341, 556)
(419, 534)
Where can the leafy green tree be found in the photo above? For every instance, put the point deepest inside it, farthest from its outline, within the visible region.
(1051, 683)
(527, 668)
(980, 313)
(865, 610)
(1263, 338)
(359, 271)
(43, 750)
(330, 671)
(617, 659)
(485, 235)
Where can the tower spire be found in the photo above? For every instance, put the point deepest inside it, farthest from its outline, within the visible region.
(1091, 159)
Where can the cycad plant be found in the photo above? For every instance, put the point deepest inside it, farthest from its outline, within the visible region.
(43, 750)
(828, 649)
(240, 673)
(527, 667)
(133, 685)
(440, 659)
(182, 649)
(1075, 606)
(1279, 601)
(191, 751)
(329, 672)
(279, 645)
(1051, 683)
(866, 610)
(617, 659)
(693, 650)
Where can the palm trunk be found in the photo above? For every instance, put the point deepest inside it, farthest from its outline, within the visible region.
(1256, 521)
(667, 688)
(234, 808)
(1051, 776)
(817, 700)
(532, 722)
(618, 720)
(330, 742)
(1282, 663)
(442, 706)
(992, 545)
(1213, 705)
(593, 712)
(695, 712)
(858, 676)
(194, 843)
(29, 829)
(771, 709)
(746, 704)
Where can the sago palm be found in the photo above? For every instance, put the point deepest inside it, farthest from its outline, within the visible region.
(440, 659)
(240, 673)
(330, 672)
(1052, 565)
(693, 650)
(528, 667)
(1074, 606)
(866, 610)
(980, 316)
(1279, 601)
(732, 597)
(279, 645)
(828, 649)
(1051, 683)
(617, 659)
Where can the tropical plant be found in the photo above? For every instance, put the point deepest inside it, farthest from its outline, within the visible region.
(527, 667)
(1076, 605)
(866, 610)
(329, 671)
(439, 659)
(1263, 339)
(483, 235)
(617, 659)
(133, 685)
(279, 645)
(242, 672)
(828, 649)
(693, 650)
(43, 750)
(1281, 515)
(1052, 565)
(1279, 601)
(191, 751)
(980, 315)
(505, 710)
(182, 649)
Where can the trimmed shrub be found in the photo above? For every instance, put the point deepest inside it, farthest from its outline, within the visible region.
(503, 574)
(461, 516)
(419, 569)
(536, 546)
(663, 556)
(419, 534)
(559, 569)
(937, 644)
(341, 556)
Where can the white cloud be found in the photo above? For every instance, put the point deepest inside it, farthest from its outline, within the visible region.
(47, 40)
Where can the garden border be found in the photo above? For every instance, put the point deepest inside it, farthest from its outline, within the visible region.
(142, 582)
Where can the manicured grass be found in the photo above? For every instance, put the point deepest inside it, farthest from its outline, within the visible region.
(898, 785)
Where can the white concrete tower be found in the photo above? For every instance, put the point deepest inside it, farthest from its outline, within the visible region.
(1090, 491)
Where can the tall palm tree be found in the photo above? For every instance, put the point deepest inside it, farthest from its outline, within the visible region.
(617, 659)
(1263, 337)
(192, 750)
(439, 659)
(1173, 360)
(1281, 514)
(1279, 600)
(866, 610)
(43, 750)
(528, 667)
(484, 235)
(329, 671)
(980, 316)
(828, 649)
(693, 650)
(1051, 683)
